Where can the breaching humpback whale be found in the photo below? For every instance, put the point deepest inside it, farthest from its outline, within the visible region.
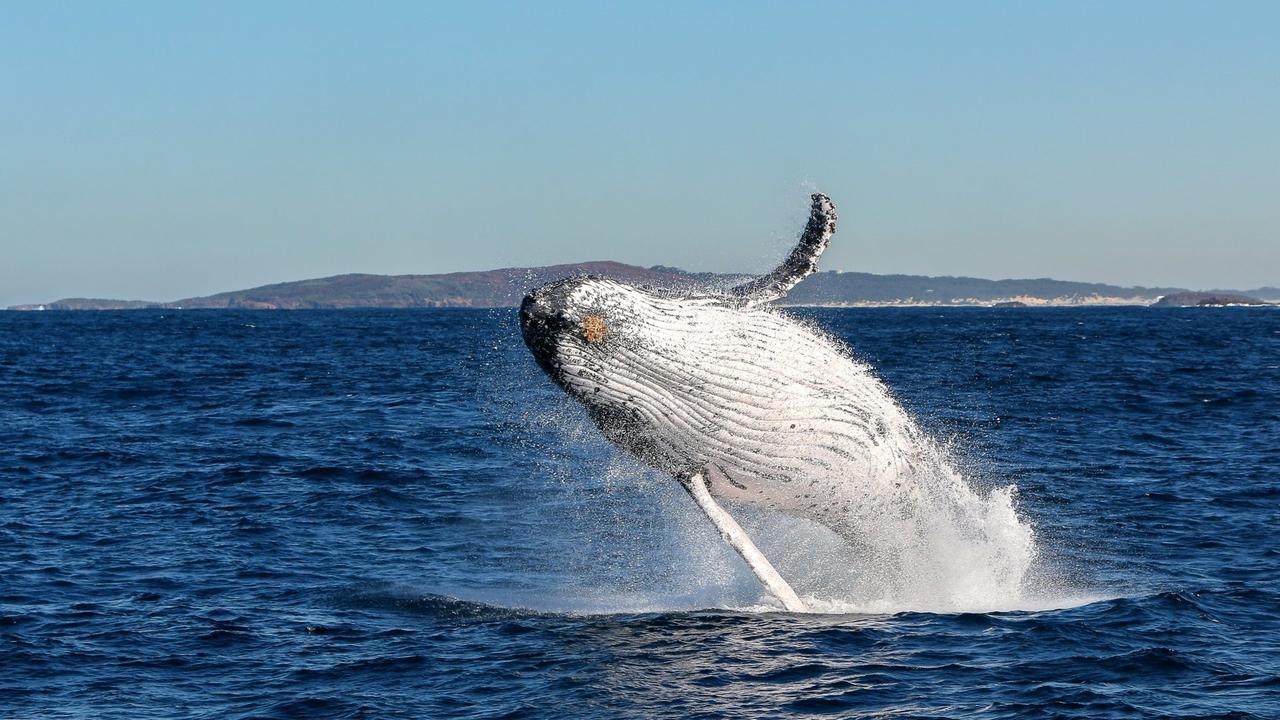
(732, 398)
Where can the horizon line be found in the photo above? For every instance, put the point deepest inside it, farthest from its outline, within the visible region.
(654, 268)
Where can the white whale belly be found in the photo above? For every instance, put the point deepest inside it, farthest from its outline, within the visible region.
(777, 413)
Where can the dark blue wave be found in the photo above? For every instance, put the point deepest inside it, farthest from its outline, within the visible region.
(393, 514)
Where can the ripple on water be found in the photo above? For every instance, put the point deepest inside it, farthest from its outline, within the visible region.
(393, 514)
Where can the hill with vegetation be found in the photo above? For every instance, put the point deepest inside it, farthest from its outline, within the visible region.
(505, 288)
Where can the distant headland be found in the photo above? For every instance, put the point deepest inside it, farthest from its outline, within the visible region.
(1207, 299)
(505, 288)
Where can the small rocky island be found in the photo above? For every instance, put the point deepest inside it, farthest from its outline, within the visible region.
(1206, 299)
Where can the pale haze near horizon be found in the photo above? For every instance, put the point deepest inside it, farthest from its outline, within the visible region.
(159, 151)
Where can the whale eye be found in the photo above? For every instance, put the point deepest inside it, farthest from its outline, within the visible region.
(593, 328)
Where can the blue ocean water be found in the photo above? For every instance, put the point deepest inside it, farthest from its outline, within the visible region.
(394, 514)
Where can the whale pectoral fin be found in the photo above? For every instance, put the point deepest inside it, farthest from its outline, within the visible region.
(803, 260)
(738, 539)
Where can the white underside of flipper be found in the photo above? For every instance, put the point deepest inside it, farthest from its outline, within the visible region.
(738, 539)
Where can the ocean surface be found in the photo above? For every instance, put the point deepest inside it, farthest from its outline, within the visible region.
(368, 514)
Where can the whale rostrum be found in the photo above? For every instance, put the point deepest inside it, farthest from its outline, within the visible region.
(733, 398)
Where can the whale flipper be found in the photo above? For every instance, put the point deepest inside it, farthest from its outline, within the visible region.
(803, 260)
(733, 534)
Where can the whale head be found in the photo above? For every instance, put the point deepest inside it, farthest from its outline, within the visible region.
(604, 342)
(582, 330)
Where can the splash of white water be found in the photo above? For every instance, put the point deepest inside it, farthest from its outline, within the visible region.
(944, 547)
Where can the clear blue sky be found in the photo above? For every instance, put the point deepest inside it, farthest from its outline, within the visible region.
(160, 150)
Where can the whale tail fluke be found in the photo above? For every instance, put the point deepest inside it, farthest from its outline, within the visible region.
(803, 260)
